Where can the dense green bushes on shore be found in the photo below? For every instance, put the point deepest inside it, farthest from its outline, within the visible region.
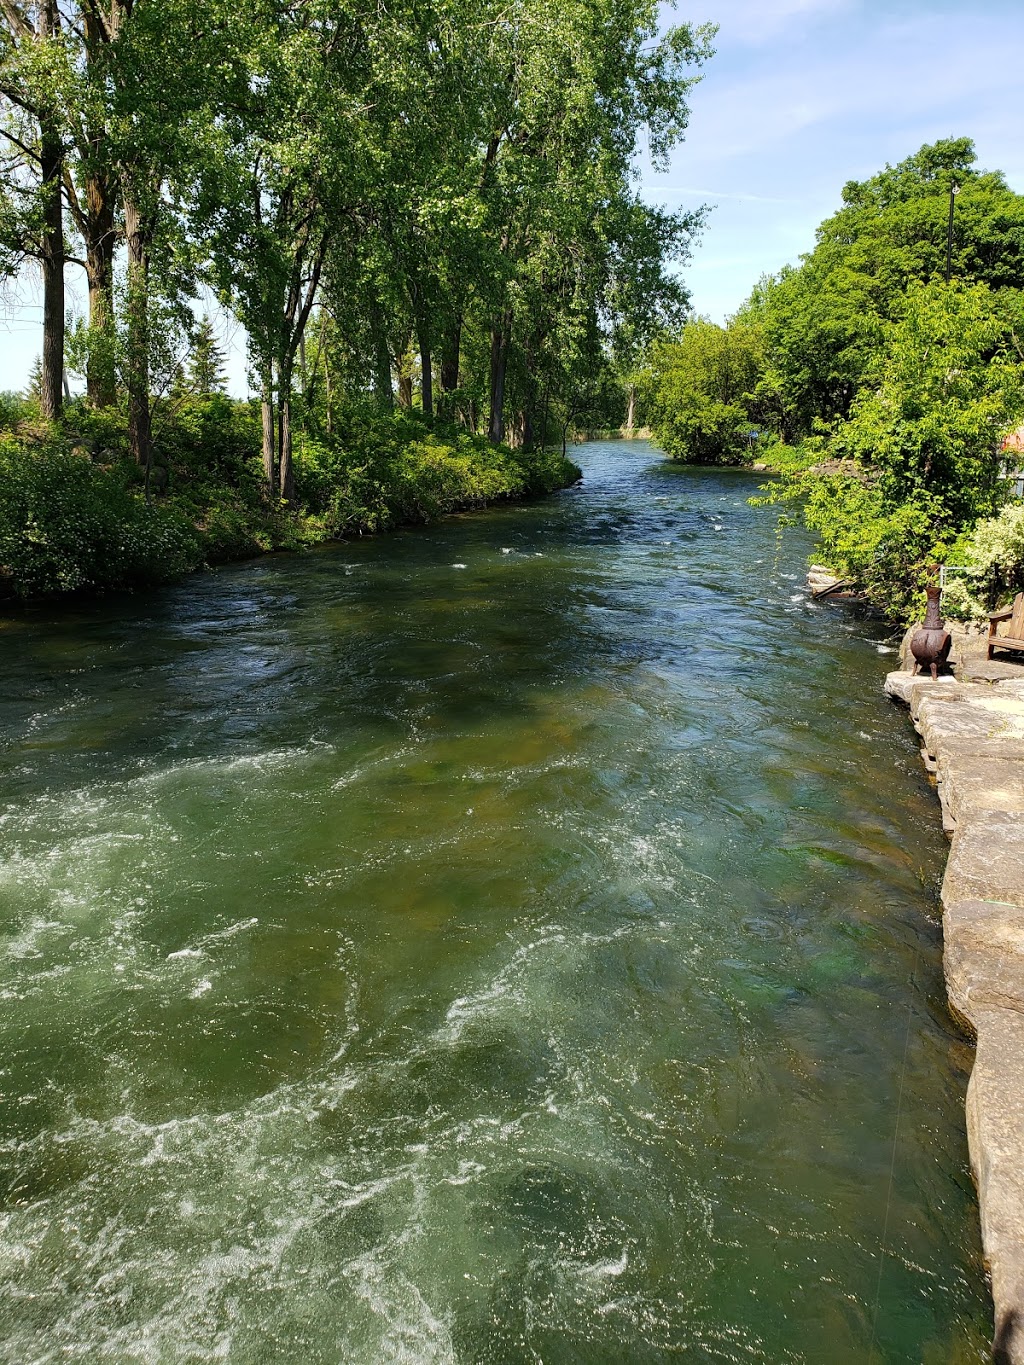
(76, 515)
(879, 375)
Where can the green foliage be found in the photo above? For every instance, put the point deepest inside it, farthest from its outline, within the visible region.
(67, 525)
(921, 446)
(383, 471)
(824, 321)
(945, 386)
(697, 392)
(76, 519)
(884, 548)
(993, 553)
(206, 362)
(900, 383)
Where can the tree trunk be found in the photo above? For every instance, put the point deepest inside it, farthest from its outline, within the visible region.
(450, 368)
(426, 376)
(52, 166)
(139, 414)
(382, 390)
(499, 365)
(267, 413)
(405, 390)
(96, 217)
(284, 417)
(327, 394)
(528, 429)
(100, 240)
(631, 411)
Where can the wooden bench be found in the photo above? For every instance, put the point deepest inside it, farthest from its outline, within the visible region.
(1014, 638)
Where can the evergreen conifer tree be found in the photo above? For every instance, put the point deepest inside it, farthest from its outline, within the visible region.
(206, 365)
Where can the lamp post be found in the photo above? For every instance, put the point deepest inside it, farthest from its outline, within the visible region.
(954, 190)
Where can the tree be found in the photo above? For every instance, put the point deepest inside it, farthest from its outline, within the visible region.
(824, 320)
(33, 79)
(946, 386)
(698, 391)
(206, 363)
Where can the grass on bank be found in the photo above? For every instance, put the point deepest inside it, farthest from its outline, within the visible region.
(74, 515)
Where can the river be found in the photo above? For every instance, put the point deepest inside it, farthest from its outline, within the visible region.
(508, 941)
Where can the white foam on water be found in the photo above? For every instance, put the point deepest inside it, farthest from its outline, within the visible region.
(605, 1269)
(494, 998)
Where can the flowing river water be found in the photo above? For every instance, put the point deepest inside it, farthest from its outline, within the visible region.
(510, 941)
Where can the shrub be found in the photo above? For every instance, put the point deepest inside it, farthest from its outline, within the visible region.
(73, 516)
(885, 550)
(993, 553)
(68, 525)
(384, 470)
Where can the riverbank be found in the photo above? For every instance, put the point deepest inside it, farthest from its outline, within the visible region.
(78, 516)
(972, 730)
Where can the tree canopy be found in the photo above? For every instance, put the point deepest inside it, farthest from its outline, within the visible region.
(901, 380)
(444, 194)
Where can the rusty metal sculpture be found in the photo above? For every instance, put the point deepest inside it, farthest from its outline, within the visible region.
(930, 643)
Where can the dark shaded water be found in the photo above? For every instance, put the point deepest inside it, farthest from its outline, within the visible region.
(507, 942)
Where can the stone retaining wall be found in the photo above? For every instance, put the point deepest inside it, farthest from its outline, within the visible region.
(972, 732)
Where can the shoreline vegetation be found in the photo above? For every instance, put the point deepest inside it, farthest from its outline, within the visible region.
(424, 222)
(76, 517)
(881, 381)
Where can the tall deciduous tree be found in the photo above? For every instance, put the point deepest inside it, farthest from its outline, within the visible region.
(34, 81)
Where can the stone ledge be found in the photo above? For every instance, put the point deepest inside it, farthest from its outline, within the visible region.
(972, 783)
(973, 740)
(995, 1125)
(901, 685)
(986, 862)
(943, 726)
(983, 958)
(990, 670)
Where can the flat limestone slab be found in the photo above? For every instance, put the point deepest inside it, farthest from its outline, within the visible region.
(903, 686)
(972, 783)
(1004, 699)
(986, 861)
(995, 1135)
(975, 730)
(941, 690)
(970, 726)
(991, 670)
(983, 958)
(898, 684)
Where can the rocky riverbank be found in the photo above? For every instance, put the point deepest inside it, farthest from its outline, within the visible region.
(971, 724)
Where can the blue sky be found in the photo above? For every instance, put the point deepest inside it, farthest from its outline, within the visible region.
(801, 96)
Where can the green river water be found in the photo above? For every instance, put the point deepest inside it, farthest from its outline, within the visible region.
(510, 941)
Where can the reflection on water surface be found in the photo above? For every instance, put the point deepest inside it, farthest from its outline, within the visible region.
(502, 963)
